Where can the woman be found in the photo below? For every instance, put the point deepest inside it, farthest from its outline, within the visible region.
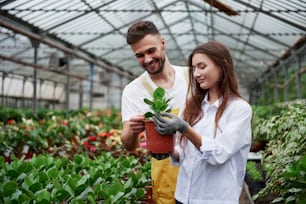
(215, 132)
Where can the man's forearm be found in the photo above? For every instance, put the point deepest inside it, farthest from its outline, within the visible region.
(130, 141)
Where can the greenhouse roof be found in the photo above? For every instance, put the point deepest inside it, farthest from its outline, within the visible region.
(257, 32)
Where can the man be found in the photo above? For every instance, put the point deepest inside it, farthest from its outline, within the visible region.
(149, 49)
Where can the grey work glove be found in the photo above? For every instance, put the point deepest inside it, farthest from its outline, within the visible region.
(170, 125)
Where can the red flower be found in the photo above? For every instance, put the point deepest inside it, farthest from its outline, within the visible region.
(92, 138)
(10, 121)
(92, 149)
(86, 144)
(64, 123)
(105, 134)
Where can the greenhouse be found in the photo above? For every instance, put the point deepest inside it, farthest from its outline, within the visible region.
(64, 66)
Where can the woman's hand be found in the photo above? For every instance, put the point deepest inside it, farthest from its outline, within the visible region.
(168, 124)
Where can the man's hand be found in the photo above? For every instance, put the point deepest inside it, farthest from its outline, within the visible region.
(171, 125)
(137, 124)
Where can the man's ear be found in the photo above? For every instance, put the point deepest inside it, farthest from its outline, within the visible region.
(163, 42)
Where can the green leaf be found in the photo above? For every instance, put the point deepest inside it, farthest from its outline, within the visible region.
(79, 189)
(128, 184)
(78, 159)
(85, 192)
(302, 163)
(115, 188)
(35, 187)
(52, 173)
(77, 201)
(158, 93)
(83, 180)
(290, 198)
(117, 197)
(159, 103)
(43, 195)
(13, 173)
(147, 101)
(43, 177)
(9, 188)
(140, 193)
(71, 183)
(62, 195)
(16, 195)
(24, 198)
(25, 167)
(301, 201)
(148, 114)
(276, 200)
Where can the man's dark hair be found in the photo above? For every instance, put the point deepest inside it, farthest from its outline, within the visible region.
(139, 30)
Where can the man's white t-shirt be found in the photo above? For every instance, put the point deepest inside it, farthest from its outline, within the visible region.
(134, 93)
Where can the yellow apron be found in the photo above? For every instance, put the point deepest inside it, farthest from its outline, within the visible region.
(164, 177)
(163, 174)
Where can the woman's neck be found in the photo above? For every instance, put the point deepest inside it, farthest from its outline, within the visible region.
(213, 96)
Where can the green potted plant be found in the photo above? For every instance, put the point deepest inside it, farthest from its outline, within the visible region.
(157, 143)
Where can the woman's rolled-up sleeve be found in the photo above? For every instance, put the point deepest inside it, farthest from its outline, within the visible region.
(234, 134)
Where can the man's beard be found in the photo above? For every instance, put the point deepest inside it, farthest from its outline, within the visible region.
(161, 62)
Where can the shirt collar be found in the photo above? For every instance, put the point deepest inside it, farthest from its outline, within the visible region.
(215, 104)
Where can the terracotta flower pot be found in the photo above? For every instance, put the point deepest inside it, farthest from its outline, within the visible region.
(157, 143)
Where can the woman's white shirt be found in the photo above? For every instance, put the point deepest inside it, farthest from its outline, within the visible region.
(215, 173)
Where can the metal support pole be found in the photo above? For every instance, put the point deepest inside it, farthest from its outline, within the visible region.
(120, 90)
(81, 95)
(108, 99)
(2, 88)
(40, 92)
(54, 93)
(299, 78)
(91, 85)
(263, 89)
(68, 84)
(285, 82)
(35, 45)
(23, 92)
(275, 85)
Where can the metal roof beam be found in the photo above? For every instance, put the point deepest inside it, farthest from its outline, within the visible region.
(119, 48)
(120, 27)
(191, 22)
(60, 46)
(76, 17)
(272, 15)
(47, 69)
(248, 36)
(256, 47)
(98, 13)
(254, 31)
(6, 3)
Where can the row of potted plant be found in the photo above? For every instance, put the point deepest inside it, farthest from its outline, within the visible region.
(58, 134)
(68, 138)
(283, 159)
(46, 179)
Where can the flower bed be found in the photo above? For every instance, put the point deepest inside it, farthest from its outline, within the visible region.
(69, 158)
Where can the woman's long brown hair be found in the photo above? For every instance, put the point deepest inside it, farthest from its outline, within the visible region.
(227, 87)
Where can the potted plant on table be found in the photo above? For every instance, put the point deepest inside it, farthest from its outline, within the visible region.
(157, 143)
